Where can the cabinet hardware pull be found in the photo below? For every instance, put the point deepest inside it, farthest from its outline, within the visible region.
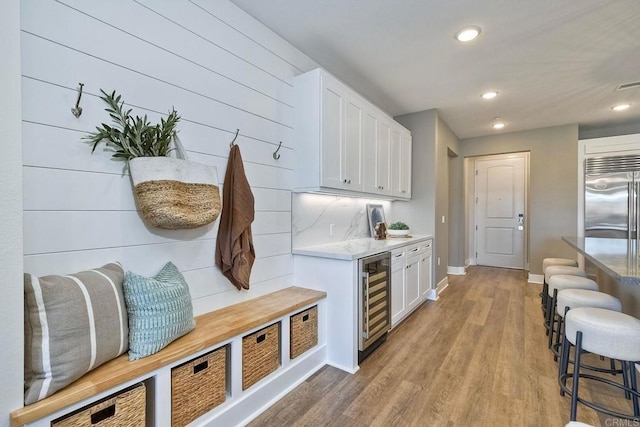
(261, 338)
(200, 367)
(305, 317)
(103, 414)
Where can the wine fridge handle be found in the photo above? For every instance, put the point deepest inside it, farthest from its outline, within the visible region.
(366, 305)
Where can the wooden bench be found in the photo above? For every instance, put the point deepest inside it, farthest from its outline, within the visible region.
(211, 329)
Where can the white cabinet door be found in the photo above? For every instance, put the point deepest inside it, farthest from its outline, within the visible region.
(405, 164)
(333, 99)
(398, 289)
(370, 152)
(352, 150)
(401, 162)
(384, 158)
(426, 265)
(413, 283)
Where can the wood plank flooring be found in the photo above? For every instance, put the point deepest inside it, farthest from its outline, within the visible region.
(476, 357)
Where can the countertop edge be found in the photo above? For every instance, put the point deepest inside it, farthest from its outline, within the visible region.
(575, 242)
(318, 252)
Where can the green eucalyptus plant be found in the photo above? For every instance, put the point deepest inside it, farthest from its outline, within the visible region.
(398, 226)
(133, 137)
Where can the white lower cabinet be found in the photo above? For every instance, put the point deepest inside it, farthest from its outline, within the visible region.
(411, 281)
(426, 266)
(398, 288)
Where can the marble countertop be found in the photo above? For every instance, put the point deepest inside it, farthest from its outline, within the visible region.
(617, 257)
(357, 248)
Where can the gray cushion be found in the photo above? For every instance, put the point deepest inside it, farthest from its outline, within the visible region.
(73, 324)
(159, 310)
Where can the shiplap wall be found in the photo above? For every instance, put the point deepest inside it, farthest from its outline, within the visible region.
(218, 67)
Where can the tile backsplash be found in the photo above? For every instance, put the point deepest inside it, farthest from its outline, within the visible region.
(313, 214)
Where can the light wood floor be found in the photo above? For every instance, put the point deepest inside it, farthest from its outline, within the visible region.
(476, 357)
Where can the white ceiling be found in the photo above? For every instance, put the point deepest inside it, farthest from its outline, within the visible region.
(554, 62)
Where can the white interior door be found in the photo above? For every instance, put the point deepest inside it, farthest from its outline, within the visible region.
(500, 211)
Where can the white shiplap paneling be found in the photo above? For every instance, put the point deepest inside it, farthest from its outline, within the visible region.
(218, 67)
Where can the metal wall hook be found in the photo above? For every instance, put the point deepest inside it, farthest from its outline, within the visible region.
(276, 156)
(77, 110)
(233, 141)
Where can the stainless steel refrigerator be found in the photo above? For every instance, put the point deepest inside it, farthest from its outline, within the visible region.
(612, 189)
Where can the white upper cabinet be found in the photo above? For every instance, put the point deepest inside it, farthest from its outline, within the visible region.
(344, 142)
(401, 163)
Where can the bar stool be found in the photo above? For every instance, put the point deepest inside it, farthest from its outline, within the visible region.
(557, 269)
(548, 262)
(574, 298)
(566, 282)
(606, 333)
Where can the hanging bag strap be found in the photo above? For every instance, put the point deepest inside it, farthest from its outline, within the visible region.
(178, 149)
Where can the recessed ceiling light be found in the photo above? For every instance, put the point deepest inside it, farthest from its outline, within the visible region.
(467, 34)
(621, 107)
(498, 125)
(490, 95)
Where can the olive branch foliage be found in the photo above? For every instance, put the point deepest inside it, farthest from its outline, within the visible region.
(133, 137)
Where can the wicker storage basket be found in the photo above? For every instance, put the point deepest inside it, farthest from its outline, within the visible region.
(198, 386)
(260, 354)
(124, 409)
(304, 331)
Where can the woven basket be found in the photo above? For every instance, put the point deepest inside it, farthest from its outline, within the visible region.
(260, 354)
(198, 386)
(175, 193)
(304, 331)
(125, 409)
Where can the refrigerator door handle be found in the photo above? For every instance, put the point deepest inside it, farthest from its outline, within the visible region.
(636, 207)
(630, 209)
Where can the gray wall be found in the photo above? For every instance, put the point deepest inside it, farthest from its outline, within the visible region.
(11, 317)
(588, 132)
(446, 142)
(553, 189)
(430, 200)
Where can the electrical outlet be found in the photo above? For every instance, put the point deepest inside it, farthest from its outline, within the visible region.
(331, 229)
(438, 261)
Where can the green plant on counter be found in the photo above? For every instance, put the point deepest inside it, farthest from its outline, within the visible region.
(398, 226)
(133, 137)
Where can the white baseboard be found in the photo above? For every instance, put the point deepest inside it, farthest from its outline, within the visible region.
(456, 271)
(442, 285)
(432, 295)
(471, 261)
(536, 278)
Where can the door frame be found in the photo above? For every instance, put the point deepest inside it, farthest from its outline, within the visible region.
(470, 205)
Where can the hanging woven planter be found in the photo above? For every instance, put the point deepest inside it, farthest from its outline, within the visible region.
(175, 193)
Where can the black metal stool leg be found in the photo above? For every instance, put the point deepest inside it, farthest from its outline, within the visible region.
(552, 319)
(563, 366)
(559, 338)
(576, 375)
(626, 378)
(634, 386)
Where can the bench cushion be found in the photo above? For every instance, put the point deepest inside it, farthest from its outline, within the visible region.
(73, 324)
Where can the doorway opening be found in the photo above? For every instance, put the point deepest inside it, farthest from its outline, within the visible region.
(496, 210)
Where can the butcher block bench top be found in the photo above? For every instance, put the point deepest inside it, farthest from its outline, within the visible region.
(211, 328)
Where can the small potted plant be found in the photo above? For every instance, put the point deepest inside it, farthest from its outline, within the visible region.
(398, 229)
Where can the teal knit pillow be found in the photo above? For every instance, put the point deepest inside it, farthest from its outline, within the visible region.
(159, 310)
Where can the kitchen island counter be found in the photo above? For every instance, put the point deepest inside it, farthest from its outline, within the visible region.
(616, 257)
(350, 250)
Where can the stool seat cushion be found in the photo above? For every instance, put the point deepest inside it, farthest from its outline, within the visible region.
(548, 262)
(605, 332)
(563, 269)
(574, 298)
(566, 281)
(577, 424)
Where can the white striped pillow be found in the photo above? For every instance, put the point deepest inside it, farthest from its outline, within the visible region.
(73, 324)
